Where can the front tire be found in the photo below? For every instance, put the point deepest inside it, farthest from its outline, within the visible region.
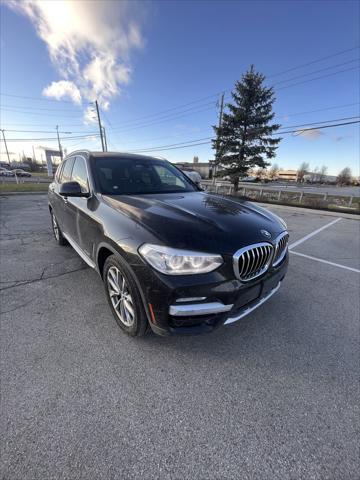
(124, 297)
(60, 239)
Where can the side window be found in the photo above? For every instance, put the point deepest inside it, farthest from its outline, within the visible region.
(79, 174)
(66, 171)
(167, 177)
(58, 172)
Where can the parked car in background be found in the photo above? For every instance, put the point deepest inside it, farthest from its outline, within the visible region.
(248, 179)
(172, 257)
(19, 172)
(6, 173)
(194, 176)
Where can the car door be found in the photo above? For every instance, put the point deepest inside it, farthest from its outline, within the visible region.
(59, 203)
(85, 227)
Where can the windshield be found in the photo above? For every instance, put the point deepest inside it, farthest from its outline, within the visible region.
(136, 176)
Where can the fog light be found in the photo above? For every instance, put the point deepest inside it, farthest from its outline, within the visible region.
(190, 299)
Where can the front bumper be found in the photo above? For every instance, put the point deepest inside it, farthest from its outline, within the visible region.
(222, 299)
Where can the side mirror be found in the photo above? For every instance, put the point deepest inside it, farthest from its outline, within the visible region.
(71, 189)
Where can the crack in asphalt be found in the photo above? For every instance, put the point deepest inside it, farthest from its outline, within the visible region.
(20, 306)
(10, 236)
(41, 278)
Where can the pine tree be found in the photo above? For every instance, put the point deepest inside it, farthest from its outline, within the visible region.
(244, 139)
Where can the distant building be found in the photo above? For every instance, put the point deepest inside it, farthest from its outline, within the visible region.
(291, 175)
(315, 177)
(201, 167)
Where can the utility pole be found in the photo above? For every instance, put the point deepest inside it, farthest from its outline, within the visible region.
(218, 139)
(105, 140)
(7, 151)
(100, 127)
(60, 150)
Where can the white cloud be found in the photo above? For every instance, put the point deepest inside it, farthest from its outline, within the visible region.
(62, 89)
(312, 134)
(89, 43)
(89, 115)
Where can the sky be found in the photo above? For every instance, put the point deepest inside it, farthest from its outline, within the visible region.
(157, 70)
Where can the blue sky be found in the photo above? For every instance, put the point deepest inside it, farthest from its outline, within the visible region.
(158, 68)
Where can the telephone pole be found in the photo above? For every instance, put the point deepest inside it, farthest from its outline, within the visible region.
(7, 151)
(60, 150)
(105, 139)
(218, 136)
(100, 126)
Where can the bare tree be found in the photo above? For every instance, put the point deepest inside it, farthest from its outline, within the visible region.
(260, 172)
(322, 173)
(274, 170)
(302, 171)
(344, 177)
(196, 159)
(314, 175)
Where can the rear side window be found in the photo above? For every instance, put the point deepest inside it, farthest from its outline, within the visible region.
(66, 171)
(79, 174)
(58, 172)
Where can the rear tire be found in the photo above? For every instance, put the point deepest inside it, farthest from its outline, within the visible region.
(60, 239)
(124, 297)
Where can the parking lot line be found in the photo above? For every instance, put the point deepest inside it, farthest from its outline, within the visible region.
(325, 261)
(315, 232)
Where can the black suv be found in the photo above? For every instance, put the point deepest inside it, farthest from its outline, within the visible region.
(172, 257)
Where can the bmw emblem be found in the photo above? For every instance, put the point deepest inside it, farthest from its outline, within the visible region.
(266, 233)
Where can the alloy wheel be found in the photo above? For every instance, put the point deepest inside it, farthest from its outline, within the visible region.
(120, 297)
(55, 227)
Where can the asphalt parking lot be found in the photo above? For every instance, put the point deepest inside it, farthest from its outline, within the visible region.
(273, 396)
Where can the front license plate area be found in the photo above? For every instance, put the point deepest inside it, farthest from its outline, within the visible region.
(270, 283)
(248, 296)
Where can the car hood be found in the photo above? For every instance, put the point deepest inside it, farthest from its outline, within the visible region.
(198, 220)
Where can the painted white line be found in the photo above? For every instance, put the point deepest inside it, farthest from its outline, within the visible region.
(325, 261)
(315, 232)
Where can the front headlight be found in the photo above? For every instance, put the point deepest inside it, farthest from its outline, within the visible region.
(173, 261)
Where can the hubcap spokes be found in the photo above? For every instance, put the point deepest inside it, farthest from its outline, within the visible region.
(55, 227)
(120, 296)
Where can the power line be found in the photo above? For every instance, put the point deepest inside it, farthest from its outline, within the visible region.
(317, 71)
(35, 98)
(321, 127)
(129, 126)
(324, 121)
(319, 110)
(165, 117)
(51, 138)
(203, 142)
(277, 133)
(280, 73)
(20, 107)
(200, 99)
(318, 78)
(314, 61)
(27, 112)
(135, 120)
(39, 131)
(45, 125)
(123, 129)
(291, 114)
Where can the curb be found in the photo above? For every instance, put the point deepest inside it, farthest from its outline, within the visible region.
(6, 194)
